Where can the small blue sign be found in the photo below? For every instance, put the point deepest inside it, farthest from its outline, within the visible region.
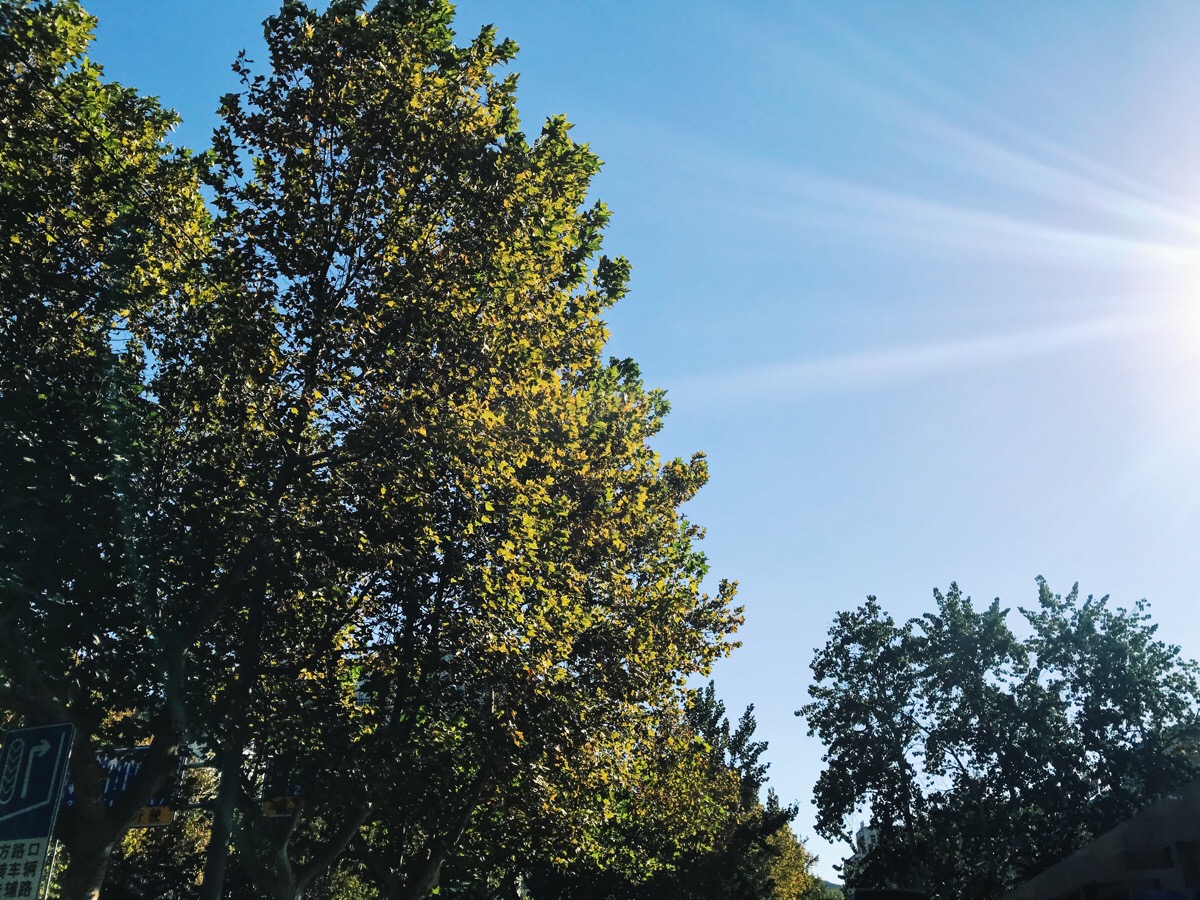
(279, 794)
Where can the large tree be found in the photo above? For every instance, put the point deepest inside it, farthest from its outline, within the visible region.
(100, 220)
(981, 758)
(337, 482)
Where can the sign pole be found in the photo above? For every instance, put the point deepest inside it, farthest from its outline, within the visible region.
(45, 889)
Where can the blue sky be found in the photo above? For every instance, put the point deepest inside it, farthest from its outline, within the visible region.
(920, 278)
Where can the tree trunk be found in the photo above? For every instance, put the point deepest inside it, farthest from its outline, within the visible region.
(90, 831)
(216, 856)
(86, 862)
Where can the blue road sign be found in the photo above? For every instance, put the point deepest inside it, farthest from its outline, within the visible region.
(33, 765)
(120, 768)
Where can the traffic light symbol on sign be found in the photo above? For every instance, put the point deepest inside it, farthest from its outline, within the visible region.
(12, 771)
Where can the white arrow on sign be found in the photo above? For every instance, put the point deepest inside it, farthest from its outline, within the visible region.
(40, 750)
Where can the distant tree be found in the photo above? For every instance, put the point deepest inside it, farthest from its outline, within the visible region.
(820, 890)
(790, 874)
(740, 846)
(980, 758)
(744, 861)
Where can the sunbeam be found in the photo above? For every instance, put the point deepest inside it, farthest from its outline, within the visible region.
(862, 371)
(804, 198)
(1082, 205)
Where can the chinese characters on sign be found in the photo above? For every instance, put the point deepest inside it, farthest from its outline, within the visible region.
(21, 866)
(152, 816)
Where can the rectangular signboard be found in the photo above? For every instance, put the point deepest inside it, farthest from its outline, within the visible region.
(279, 795)
(120, 768)
(33, 766)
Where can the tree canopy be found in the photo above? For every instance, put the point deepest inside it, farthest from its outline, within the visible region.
(328, 476)
(736, 844)
(981, 757)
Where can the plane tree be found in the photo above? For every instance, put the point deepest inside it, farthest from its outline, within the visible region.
(517, 581)
(331, 477)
